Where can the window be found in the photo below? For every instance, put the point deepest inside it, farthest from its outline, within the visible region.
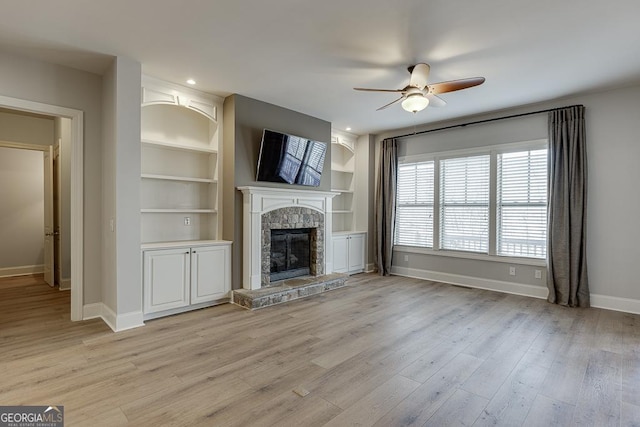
(414, 206)
(464, 203)
(522, 204)
(491, 201)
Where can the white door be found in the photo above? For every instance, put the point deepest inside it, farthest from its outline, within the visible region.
(166, 279)
(210, 273)
(49, 239)
(356, 253)
(340, 254)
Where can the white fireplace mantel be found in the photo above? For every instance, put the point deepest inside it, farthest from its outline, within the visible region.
(259, 200)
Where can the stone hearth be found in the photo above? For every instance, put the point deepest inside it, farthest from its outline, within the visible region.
(288, 290)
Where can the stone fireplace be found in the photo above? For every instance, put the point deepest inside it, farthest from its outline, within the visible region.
(268, 211)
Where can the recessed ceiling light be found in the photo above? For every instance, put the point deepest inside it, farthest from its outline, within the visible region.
(191, 82)
(348, 128)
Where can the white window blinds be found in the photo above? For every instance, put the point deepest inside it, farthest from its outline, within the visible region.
(414, 204)
(522, 204)
(464, 203)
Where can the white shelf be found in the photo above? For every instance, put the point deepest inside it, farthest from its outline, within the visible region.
(336, 168)
(173, 146)
(195, 211)
(177, 178)
(341, 190)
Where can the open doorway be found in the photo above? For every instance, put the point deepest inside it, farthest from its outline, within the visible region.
(35, 189)
(75, 121)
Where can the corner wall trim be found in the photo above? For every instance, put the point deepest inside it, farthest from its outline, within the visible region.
(625, 305)
(473, 282)
(65, 285)
(108, 316)
(92, 311)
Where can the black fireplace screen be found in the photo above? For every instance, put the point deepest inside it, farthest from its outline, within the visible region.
(290, 253)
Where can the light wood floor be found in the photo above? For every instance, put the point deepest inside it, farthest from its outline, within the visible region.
(382, 351)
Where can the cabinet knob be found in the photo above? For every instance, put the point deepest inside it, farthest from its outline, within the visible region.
(187, 253)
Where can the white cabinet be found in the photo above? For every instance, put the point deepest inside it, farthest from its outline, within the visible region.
(180, 278)
(349, 252)
(210, 276)
(166, 279)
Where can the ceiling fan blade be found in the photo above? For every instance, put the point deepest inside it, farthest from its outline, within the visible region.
(435, 100)
(419, 75)
(390, 104)
(378, 90)
(453, 85)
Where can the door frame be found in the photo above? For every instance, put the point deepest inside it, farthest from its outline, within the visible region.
(77, 189)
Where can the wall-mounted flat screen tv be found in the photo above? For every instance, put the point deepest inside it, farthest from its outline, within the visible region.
(290, 159)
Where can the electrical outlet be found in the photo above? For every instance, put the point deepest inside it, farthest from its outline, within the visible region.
(538, 274)
(406, 257)
(512, 271)
(187, 220)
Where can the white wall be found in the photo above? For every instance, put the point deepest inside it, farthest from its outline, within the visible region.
(363, 193)
(21, 210)
(122, 269)
(38, 81)
(613, 126)
(27, 129)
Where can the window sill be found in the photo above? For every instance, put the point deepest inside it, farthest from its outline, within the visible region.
(471, 255)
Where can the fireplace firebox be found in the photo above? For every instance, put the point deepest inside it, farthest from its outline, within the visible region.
(290, 253)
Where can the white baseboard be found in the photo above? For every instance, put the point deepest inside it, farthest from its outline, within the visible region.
(370, 268)
(108, 316)
(91, 311)
(65, 285)
(22, 270)
(473, 282)
(625, 305)
(606, 302)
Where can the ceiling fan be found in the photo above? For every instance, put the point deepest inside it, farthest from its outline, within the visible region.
(417, 95)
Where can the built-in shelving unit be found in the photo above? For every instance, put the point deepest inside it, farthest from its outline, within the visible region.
(181, 132)
(342, 181)
(185, 265)
(349, 244)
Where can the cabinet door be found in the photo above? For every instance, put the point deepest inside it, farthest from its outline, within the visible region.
(166, 279)
(340, 254)
(356, 253)
(210, 273)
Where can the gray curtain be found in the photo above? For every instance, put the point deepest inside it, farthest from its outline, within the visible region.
(567, 225)
(385, 206)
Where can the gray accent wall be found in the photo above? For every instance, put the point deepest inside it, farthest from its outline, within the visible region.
(244, 121)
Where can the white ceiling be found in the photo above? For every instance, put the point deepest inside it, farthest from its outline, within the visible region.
(307, 55)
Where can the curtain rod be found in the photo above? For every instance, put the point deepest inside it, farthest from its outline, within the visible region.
(477, 122)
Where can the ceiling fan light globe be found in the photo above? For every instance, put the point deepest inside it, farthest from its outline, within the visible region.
(415, 102)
